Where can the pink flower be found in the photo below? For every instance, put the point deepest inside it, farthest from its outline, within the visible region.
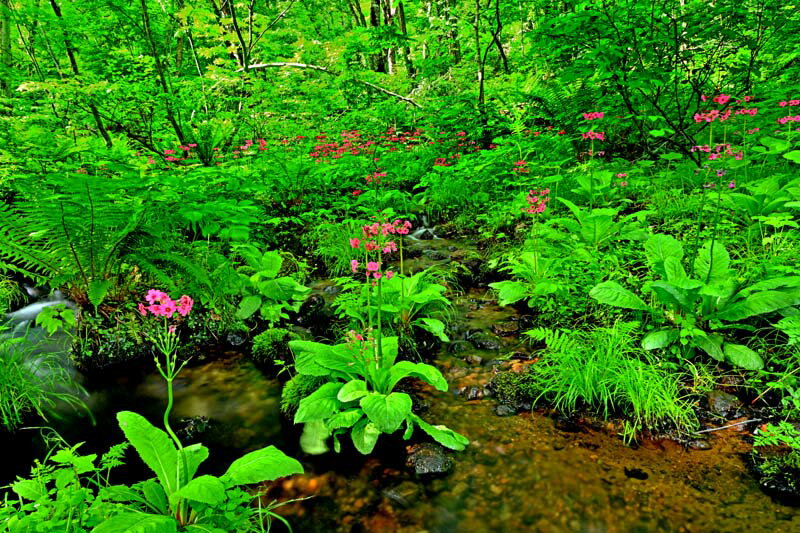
(171, 329)
(623, 183)
(185, 305)
(371, 246)
(377, 275)
(520, 163)
(155, 309)
(722, 99)
(389, 274)
(154, 296)
(390, 247)
(622, 175)
(354, 265)
(355, 242)
(732, 184)
(373, 266)
(168, 308)
(142, 309)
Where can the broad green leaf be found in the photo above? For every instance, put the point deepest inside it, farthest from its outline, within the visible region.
(390, 348)
(315, 433)
(265, 464)
(308, 353)
(365, 435)
(204, 489)
(710, 344)
(154, 447)
(434, 326)
(248, 306)
(658, 247)
(774, 144)
(345, 419)
(793, 156)
(387, 411)
(659, 339)
(791, 326)
(674, 269)
(30, 489)
(759, 303)
(712, 263)
(352, 390)
(195, 454)
(510, 292)
(429, 374)
(442, 434)
(131, 522)
(612, 293)
(320, 404)
(270, 264)
(155, 496)
(742, 356)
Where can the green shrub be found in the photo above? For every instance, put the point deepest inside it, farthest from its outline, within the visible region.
(776, 452)
(272, 345)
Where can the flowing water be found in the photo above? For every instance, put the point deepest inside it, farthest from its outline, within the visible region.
(524, 472)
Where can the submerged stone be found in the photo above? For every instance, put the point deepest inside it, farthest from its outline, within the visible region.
(429, 459)
(722, 403)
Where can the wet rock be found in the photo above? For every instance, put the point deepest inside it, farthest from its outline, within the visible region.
(332, 289)
(485, 341)
(236, 338)
(436, 255)
(722, 403)
(458, 346)
(473, 393)
(568, 425)
(405, 494)
(636, 473)
(698, 444)
(429, 460)
(506, 329)
(505, 410)
(473, 359)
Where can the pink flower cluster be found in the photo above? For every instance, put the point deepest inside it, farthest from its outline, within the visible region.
(711, 116)
(718, 151)
(789, 103)
(789, 118)
(752, 112)
(594, 115)
(521, 167)
(537, 201)
(599, 135)
(375, 177)
(162, 305)
(373, 269)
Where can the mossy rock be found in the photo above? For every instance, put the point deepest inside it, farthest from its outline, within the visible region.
(272, 346)
(297, 388)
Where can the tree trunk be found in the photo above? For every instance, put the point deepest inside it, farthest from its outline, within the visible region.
(379, 59)
(401, 19)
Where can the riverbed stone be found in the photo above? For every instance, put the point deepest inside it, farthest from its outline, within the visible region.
(722, 403)
(405, 495)
(485, 341)
(505, 410)
(429, 460)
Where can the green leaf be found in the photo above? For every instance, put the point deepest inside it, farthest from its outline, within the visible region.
(320, 404)
(742, 356)
(774, 144)
(345, 419)
(387, 411)
(758, 303)
(434, 326)
(659, 339)
(315, 433)
(155, 496)
(265, 464)
(712, 263)
(352, 390)
(203, 489)
(131, 522)
(710, 344)
(793, 156)
(30, 489)
(443, 435)
(154, 447)
(365, 435)
(612, 293)
(405, 369)
(658, 248)
(98, 289)
(671, 156)
(248, 306)
(510, 292)
(195, 454)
